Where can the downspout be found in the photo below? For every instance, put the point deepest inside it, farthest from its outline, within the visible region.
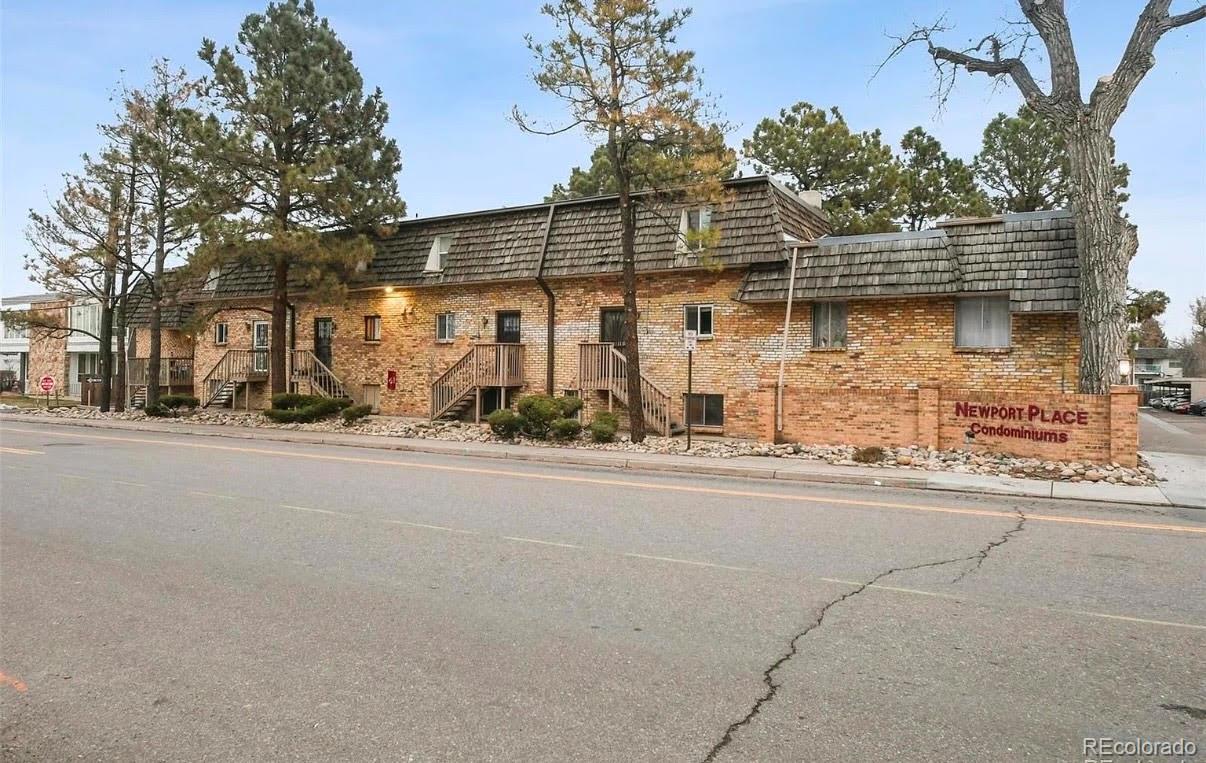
(551, 330)
(791, 293)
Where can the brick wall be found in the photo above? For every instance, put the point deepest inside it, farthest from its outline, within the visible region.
(207, 353)
(893, 344)
(173, 343)
(1047, 425)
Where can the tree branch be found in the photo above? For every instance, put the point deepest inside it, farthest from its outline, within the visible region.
(1113, 91)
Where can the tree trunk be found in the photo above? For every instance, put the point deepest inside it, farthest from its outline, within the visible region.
(119, 380)
(155, 345)
(280, 310)
(632, 352)
(1105, 243)
(105, 364)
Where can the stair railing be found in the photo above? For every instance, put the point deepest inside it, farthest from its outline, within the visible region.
(322, 379)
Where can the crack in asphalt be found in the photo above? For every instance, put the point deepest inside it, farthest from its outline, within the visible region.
(768, 675)
(983, 553)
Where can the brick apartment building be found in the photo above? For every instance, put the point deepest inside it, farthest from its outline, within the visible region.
(892, 338)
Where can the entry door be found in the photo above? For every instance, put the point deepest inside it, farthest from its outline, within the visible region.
(324, 329)
(508, 327)
(259, 341)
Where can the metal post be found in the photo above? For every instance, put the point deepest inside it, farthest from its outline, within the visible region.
(690, 359)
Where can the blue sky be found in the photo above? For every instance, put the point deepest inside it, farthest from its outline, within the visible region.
(451, 72)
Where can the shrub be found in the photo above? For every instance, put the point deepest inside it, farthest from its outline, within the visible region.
(287, 401)
(158, 410)
(354, 413)
(324, 406)
(178, 401)
(505, 423)
(569, 406)
(871, 455)
(565, 429)
(604, 427)
(538, 412)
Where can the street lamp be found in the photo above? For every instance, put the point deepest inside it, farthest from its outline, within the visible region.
(1124, 370)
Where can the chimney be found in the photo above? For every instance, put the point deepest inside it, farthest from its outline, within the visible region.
(811, 198)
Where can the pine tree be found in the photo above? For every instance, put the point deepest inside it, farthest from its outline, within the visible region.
(626, 85)
(934, 185)
(307, 152)
(648, 172)
(813, 149)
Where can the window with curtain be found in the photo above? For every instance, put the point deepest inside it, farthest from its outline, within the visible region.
(829, 324)
(982, 321)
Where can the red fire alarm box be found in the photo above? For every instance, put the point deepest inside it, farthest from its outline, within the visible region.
(391, 379)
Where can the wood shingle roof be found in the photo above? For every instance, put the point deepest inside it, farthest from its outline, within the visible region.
(1030, 256)
(584, 239)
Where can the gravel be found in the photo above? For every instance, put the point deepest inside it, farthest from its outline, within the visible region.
(910, 458)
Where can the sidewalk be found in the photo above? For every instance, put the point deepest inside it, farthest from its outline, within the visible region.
(755, 467)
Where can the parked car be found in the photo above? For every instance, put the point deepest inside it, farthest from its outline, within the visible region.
(1181, 406)
(1199, 408)
(1157, 402)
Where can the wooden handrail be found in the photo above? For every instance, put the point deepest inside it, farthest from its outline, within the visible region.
(492, 364)
(173, 372)
(233, 366)
(602, 367)
(322, 379)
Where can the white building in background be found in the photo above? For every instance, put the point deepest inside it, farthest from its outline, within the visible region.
(14, 342)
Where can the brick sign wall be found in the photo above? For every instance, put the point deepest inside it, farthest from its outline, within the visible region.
(1066, 427)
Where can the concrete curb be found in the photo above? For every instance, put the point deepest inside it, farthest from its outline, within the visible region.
(947, 482)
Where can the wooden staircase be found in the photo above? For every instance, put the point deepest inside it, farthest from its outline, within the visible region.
(484, 366)
(309, 370)
(602, 367)
(235, 369)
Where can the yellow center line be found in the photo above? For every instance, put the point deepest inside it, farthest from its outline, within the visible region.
(634, 484)
(22, 451)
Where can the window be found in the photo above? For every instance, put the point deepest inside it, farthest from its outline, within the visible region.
(211, 279)
(691, 226)
(15, 332)
(698, 318)
(445, 327)
(1174, 363)
(86, 317)
(705, 410)
(438, 255)
(221, 333)
(611, 325)
(982, 321)
(372, 328)
(829, 324)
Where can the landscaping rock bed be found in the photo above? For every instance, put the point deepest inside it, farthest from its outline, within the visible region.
(911, 458)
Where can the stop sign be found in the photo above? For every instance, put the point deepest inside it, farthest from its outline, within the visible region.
(46, 383)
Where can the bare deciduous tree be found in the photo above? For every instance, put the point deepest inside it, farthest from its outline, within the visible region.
(1106, 240)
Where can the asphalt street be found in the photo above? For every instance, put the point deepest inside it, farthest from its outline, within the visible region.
(171, 597)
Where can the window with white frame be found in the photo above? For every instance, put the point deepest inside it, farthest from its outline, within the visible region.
(445, 327)
(85, 318)
(372, 328)
(15, 332)
(221, 333)
(438, 256)
(211, 279)
(829, 324)
(698, 318)
(691, 227)
(982, 321)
